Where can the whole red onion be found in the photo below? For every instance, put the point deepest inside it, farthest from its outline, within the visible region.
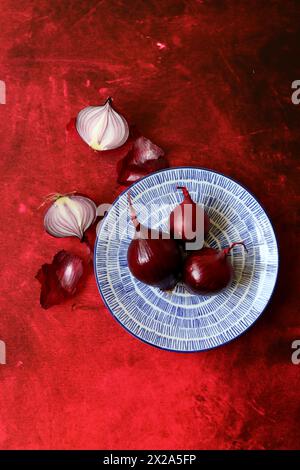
(152, 259)
(186, 218)
(208, 271)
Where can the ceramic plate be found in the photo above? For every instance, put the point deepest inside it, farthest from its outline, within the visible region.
(180, 321)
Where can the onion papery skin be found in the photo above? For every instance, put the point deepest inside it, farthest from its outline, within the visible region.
(101, 127)
(144, 157)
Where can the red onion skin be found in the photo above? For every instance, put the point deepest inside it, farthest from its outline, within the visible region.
(153, 259)
(178, 229)
(208, 271)
(69, 271)
(143, 158)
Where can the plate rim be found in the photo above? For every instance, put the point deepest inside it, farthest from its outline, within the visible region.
(101, 227)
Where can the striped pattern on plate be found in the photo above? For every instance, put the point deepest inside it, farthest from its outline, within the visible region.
(180, 321)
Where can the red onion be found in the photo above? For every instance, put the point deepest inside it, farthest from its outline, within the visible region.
(69, 216)
(188, 221)
(59, 280)
(208, 271)
(143, 158)
(151, 258)
(101, 127)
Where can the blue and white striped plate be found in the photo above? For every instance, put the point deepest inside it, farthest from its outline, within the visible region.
(180, 321)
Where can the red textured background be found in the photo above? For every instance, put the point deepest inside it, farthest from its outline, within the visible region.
(209, 81)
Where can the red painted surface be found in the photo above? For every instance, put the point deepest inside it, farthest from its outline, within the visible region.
(210, 82)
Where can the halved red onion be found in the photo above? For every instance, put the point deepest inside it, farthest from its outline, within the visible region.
(101, 127)
(70, 216)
